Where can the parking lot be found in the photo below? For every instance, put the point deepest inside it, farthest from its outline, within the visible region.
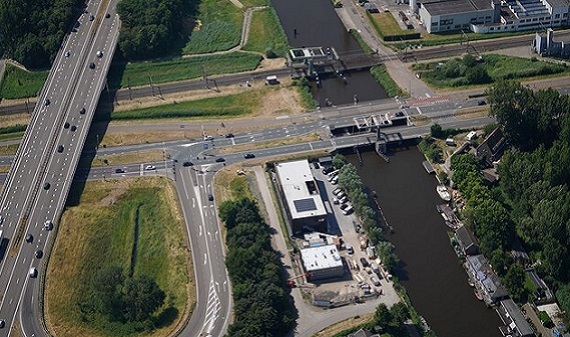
(364, 275)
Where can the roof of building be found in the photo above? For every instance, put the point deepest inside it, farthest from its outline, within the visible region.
(300, 189)
(362, 333)
(323, 257)
(464, 237)
(443, 7)
(513, 317)
(489, 281)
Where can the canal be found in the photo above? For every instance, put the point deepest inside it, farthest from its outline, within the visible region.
(430, 271)
(317, 25)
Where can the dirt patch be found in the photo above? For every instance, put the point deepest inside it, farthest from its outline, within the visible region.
(343, 325)
(130, 158)
(474, 112)
(420, 120)
(11, 120)
(120, 188)
(143, 137)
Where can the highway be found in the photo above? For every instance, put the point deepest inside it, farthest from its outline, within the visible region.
(38, 182)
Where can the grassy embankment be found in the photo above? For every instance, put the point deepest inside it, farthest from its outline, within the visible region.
(102, 231)
(266, 34)
(455, 73)
(18, 83)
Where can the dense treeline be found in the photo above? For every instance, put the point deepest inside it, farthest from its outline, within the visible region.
(31, 31)
(151, 27)
(262, 306)
(535, 176)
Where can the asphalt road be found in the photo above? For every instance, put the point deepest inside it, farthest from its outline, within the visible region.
(37, 185)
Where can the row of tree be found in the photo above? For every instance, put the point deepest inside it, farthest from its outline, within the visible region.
(31, 31)
(349, 180)
(262, 306)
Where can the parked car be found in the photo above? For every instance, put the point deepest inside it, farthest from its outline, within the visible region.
(349, 249)
(364, 262)
(187, 163)
(337, 190)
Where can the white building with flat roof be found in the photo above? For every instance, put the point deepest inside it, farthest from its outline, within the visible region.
(322, 262)
(305, 208)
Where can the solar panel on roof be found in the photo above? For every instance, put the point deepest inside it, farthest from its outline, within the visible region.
(303, 205)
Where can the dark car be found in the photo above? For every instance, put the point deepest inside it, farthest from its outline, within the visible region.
(46, 185)
(60, 149)
(47, 102)
(316, 165)
(328, 170)
(230, 135)
(92, 65)
(66, 125)
(29, 238)
(73, 128)
(2, 323)
(187, 163)
(107, 15)
(210, 197)
(119, 170)
(481, 102)
(220, 160)
(39, 254)
(82, 111)
(364, 262)
(249, 155)
(91, 17)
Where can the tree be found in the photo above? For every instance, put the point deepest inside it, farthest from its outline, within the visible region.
(563, 297)
(400, 313)
(437, 131)
(107, 284)
(387, 255)
(141, 298)
(383, 316)
(501, 261)
(514, 281)
(477, 75)
(338, 161)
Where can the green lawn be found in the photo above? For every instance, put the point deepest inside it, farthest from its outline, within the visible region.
(388, 25)
(18, 83)
(266, 34)
(100, 232)
(218, 28)
(140, 73)
(455, 73)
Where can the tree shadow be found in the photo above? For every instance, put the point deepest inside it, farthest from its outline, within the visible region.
(166, 317)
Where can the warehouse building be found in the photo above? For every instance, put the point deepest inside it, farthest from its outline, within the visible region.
(322, 262)
(492, 16)
(304, 207)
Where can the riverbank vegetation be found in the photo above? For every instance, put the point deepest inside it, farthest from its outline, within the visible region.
(121, 263)
(380, 74)
(266, 34)
(304, 87)
(489, 68)
(261, 303)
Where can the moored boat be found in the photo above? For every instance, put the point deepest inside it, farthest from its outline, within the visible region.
(443, 193)
(478, 294)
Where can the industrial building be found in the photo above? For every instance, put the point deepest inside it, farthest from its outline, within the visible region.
(322, 262)
(303, 204)
(490, 16)
(546, 46)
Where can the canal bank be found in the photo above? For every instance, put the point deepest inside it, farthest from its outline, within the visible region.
(315, 24)
(430, 271)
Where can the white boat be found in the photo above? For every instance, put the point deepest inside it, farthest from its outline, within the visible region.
(443, 193)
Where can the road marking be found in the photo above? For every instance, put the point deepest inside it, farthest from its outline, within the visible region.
(205, 259)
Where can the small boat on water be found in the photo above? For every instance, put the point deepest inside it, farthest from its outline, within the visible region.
(471, 283)
(443, 193)
(478, 294)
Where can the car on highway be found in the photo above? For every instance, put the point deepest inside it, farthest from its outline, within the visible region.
(107, 15)
(482, 102)
(60, 148)
(67, 54)
(73, 128)
(249, 155)
(2, 323)
(29, 238)
(91, 65)
(82, 111)
(47, 102)
(39, 254)
(187, 163)
(48, 225)
(119, 170)
(46, 185)
(66, 125)
(33, 272)
(210, 197)
(220, 160)
(99, 54)
(91, 17)
(150, 168)
(230, 135)
(1, 219)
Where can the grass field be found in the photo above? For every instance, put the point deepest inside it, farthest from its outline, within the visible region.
(218, 27)
(266, 34)
(381, 76)
(141, 73)
(18, 83)
(8, 149)
(388, 24)
(129, 158)
(454, 73)
(101, 232)
(216, 107)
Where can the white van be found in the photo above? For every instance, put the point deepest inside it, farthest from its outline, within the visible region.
(347, 210)
(375, 280)
(375, 268)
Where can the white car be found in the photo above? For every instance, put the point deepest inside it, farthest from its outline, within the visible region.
(48, 225)
(150, 168)
(1, 219)
(33, 272)
(99, 54)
